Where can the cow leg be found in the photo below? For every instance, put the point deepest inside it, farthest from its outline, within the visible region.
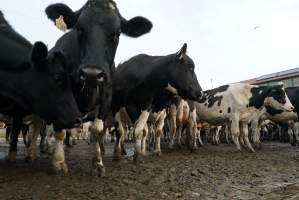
(199, 136)
(96, 133)
(49, 135)
(139, 127)
(173, 127)
(291, 126)
(43, 135)
(193, 130)
(144, 138)
(227, 134)
(235, 131)
(217, 141)
(120, 131)
(296, 133)
(159, 132)
(245, 136)
(16, 128)
(179, 135)
(31, 151)
(8, 134)
(25, 131)
(255, 133)
(58, 160)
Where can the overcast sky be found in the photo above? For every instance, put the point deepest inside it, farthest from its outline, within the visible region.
(229, 40)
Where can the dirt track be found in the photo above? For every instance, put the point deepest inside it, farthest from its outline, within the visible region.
(211, 173)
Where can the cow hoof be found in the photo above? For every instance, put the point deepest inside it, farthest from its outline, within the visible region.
(157, 153)
(60, 167)
(29, 159)
(12, 157)
(257, 145)
(251, 150)
(138, 158)
(98, 172)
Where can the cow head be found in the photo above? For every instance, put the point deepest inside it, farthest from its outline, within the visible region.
(52, 97)
(182, 76)
(98, 25)
(277, 99)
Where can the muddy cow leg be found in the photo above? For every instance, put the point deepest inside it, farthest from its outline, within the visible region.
(139, 127)
(120, 132)
(96, 133)
(296, 133)
(144, 139)
(16, 128)
(37, 125)
(235, 131)
(291, 126)
(58, 161)
(244, 127)
(173, 127)
(159, 132)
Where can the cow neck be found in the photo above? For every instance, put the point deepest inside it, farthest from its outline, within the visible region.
(14, 88)
(258, 97)
(158, 77)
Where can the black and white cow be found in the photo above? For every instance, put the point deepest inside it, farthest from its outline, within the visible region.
(138, 81)
(238, 104)
(90, 48)
(33, 82)
(293, 94)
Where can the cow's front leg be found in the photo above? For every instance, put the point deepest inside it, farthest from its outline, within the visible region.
(173, 127)
(159, 132)
(16, 128)
(120, 132)
(58, 161)
(296, 133)
(139, 127)
(144, 139)
(96, 131)
(37, 126)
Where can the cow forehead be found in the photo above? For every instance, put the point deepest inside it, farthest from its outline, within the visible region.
(104, 4)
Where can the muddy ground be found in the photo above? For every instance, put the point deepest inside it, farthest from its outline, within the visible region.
(213, 172)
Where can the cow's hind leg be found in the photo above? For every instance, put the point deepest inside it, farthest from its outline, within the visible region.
(244, 127)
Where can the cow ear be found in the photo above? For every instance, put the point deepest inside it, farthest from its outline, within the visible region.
(62, 15)
(182, 52)
(39, 55)
(136, 26)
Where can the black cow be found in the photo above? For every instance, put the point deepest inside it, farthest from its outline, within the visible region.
(90, 48)
(139, 80)
(31, 81)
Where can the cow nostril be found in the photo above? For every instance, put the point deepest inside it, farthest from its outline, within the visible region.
(292, 108)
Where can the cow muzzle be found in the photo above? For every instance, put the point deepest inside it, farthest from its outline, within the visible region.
(92, 76)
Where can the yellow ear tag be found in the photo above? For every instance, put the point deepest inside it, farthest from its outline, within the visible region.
(60, 24)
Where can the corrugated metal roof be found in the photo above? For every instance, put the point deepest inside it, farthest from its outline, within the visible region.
(279, 74)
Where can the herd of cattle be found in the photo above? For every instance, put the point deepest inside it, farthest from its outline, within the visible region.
(151, 96)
